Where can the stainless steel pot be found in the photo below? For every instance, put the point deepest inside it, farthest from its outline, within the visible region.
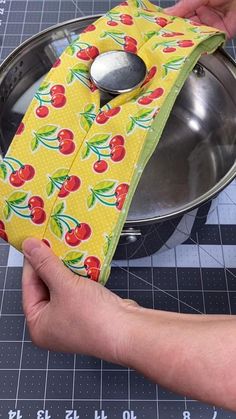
(194, 161)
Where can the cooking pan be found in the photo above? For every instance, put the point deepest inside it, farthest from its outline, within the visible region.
(194, 161)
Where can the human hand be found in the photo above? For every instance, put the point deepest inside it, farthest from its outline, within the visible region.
(68, 313)
(220, 14)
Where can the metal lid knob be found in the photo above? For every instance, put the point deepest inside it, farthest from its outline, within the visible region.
(117, 72)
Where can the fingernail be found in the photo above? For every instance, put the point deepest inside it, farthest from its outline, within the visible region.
(30, 245)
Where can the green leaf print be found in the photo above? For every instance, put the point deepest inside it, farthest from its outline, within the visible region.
(59, 208)
(91, 200)
(69, 77)
(50, 188)
(86, 123)
(56, 227)
(6, 212)
(85, 152)
(73, 257)
(47, 130)
(89, 108)
(99, 139)
(34, 144)
(3, 171)
(60, 175)
(17, 197)
(44, 86)
(104, 186)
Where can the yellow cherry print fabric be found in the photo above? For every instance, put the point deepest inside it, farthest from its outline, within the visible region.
(72, 168)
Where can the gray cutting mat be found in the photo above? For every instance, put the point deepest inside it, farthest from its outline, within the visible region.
(198, 276)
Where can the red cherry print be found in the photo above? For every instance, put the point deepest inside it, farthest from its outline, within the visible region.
(152, 73)
(65, 134)
(35, 201)
(58, 100)
(20, 129)
(93, 87)
(122, 189)
(92, 262)
(169, 49)
(127, 21)
(57, 88)
(15, 179)
(66, 146)
(83, 231)
(46, 242)
(145, 100)
(92, 52)
(89, 28)
(42, 111)
(72, 184)
(112, 112)
(57, 63)
(130, 40)
(120, 202)
(93, 274)
(82, 54)
(3, 235)
(101, 118)
(100, 166)
(185, 43)
(26, 172)
(2, 225)
(116, 140)
(125, 16)
(63, 192)
(38, 215)
(161, 21)
(118, 153)
(171, 34)
(112, 23)
(130, 48)
(156, 93)
(71, 238)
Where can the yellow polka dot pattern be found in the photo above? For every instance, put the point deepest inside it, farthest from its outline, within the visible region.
(72, 168)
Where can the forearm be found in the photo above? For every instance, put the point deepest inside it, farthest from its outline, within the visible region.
(194, 358)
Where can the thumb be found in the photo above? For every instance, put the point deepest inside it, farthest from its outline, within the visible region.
(185, 7)
(45, 263)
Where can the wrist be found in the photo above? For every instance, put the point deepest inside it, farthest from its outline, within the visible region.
(130, 321)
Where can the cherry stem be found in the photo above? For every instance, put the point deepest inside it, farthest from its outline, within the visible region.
(145, 120)
(82, 43)
(106, 196)
(8, 164)
(43, 94)
(96, 151)
(55, 182)
(92, 115)
(44, 101)
(61, 216)
(109, 204)
(139, 125)
(46, 145)
(40, 136)
(74, 267)
(15, 160)
(16, 212)
(19, 207)
(115, 39)
(82, 81)
(64, 222)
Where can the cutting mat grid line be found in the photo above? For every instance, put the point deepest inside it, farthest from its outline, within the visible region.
(199, 275)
